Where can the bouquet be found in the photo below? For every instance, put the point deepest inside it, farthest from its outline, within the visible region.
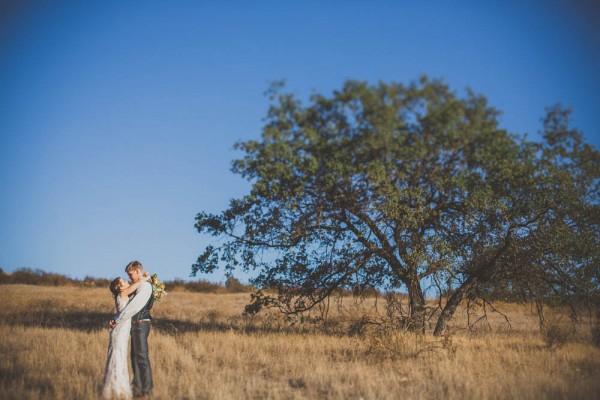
(158, 288)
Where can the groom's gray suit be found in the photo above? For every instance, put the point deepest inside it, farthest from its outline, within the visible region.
(138, 309)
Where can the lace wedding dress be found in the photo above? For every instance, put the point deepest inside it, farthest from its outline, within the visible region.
(116, 373)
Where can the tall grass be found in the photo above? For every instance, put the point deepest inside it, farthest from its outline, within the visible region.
(54, 339)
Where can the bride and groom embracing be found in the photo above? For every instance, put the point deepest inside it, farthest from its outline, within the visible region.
(133, 301)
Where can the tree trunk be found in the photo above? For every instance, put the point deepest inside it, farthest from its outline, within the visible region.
(417, 305)
(484, 273)
(455, 299)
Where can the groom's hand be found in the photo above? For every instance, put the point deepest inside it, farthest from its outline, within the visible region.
(112, 323)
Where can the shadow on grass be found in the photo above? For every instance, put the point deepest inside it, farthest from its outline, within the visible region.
(72, 319)
(89, 321)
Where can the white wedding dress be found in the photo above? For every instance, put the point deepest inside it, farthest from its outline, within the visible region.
(116, 373)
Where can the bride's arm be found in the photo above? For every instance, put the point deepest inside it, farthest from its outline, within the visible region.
(135, 305)
(134, 286)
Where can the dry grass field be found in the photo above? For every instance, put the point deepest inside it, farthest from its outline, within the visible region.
(53, 343)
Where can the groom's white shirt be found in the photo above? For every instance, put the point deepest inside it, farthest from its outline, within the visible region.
(139, 300)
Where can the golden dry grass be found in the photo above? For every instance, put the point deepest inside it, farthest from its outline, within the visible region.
(53, 345)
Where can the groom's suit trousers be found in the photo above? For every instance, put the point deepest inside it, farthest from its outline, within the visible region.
(140, 361)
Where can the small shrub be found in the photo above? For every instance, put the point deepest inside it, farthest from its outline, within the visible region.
(393, 345)
(402, 344)
(359, 326)
(596, 334)
(556, 332)
(213, 316)
(233, 285)
(596, 330)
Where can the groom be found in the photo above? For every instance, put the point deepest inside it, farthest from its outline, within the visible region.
(138, 309)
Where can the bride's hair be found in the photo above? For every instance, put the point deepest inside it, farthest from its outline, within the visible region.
(114, 287)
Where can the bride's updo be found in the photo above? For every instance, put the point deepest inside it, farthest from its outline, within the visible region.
(114, 287)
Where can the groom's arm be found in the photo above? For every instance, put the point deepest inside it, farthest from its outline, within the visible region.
(136, 304)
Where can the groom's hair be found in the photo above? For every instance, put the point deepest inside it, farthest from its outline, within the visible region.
(133, 265)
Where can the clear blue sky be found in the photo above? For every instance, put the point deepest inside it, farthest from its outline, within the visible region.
(117, 118)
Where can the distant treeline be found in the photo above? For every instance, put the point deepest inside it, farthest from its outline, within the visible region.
(29, 276)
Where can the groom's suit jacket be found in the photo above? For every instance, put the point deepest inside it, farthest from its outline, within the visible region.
(139, 306)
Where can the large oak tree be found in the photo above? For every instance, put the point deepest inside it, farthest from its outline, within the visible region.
(396, 187)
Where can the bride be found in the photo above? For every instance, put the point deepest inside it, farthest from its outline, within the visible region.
(116, 374)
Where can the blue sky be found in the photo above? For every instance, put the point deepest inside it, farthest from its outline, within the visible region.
(118, 118)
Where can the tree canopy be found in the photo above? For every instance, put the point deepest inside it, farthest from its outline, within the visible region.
(403, 187)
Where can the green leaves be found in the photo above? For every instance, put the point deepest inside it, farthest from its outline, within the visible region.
(385, 185)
